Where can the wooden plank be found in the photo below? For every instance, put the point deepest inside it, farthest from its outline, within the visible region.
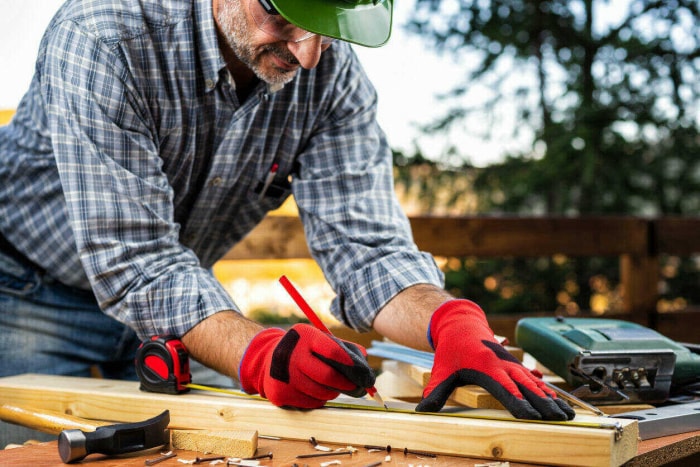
(677, 235)
(395, 385)
(469, 396)
(639, 278)
(223, 443)
(681, 326)
(281, 237)
(679, 450)
(533, 236)
(276, 237)
(568, 443)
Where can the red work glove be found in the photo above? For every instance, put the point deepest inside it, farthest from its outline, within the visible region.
(304, 367)
(466, 352)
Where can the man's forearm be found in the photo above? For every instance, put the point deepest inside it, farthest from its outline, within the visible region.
(220, 341)
(405, 318)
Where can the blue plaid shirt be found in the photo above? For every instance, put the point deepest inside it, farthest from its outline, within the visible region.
(131, 167)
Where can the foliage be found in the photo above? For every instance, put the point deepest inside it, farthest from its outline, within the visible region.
(265, 316)
(611, 103)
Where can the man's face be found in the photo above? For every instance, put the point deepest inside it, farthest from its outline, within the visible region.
(272, 60)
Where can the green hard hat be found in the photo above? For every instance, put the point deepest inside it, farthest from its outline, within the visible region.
(363, 22)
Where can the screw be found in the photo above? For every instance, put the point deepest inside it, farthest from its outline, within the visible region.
(261, 456)
(418, 453)
(160, 459)
(386, 448)
(200, 460)
(325, 454)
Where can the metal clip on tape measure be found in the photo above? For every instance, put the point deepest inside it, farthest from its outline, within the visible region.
(162, 365)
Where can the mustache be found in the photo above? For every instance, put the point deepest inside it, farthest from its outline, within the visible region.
(282, 53)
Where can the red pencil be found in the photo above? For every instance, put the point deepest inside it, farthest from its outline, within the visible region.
(318, 324)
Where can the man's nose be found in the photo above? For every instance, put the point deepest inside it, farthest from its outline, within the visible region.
(308, 51)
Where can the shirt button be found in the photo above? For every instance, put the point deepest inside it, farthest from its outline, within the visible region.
(210, 84)
(216, 181)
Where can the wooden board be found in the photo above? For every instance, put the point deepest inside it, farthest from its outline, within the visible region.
(651, 453)
(503, 439)
(683, 448)
(224, 443)
(393, 384)
(469, 396)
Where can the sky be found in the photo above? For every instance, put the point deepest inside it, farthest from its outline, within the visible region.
(406, 73)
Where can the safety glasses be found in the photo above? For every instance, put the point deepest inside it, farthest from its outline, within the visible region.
(269, 21)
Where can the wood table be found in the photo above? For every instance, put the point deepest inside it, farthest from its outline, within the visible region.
(677, 450)
(284, 454)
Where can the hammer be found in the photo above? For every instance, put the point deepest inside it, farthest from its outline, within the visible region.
(79, 437)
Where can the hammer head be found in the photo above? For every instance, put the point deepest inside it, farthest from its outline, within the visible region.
(74, 445)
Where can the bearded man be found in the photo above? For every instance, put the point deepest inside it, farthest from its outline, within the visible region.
(154, 136)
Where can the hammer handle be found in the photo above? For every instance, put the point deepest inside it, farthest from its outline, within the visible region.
(46, 421)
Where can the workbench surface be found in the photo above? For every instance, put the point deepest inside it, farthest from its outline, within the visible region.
(284, 454)
(683, 448)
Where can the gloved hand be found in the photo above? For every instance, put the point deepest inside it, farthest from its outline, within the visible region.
(466, 352)
(303, 367)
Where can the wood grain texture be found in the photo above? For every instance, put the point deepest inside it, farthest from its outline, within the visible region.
(469, 396)
(531, 236)
(499, 437)
(650, 453)
(283, 237)
(231, 443)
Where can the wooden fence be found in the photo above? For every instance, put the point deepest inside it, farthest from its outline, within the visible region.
(637, 242)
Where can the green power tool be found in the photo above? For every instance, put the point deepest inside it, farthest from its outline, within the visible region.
(609, 361)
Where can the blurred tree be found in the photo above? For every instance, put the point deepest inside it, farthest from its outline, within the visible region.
(608, 94)
(608, 91)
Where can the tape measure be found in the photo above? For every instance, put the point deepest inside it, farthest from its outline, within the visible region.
(163, 365)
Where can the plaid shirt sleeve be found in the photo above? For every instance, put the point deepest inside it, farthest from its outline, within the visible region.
(354, 224)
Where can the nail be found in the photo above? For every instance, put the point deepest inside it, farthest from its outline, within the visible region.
(313, 441)
(325, 454)
(261, 456)
(418, 453)
(160, 459)
(199, 460)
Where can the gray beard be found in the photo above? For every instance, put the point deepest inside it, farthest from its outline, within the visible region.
(236, 30)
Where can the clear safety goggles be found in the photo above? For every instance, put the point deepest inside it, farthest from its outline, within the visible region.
(269, 21)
